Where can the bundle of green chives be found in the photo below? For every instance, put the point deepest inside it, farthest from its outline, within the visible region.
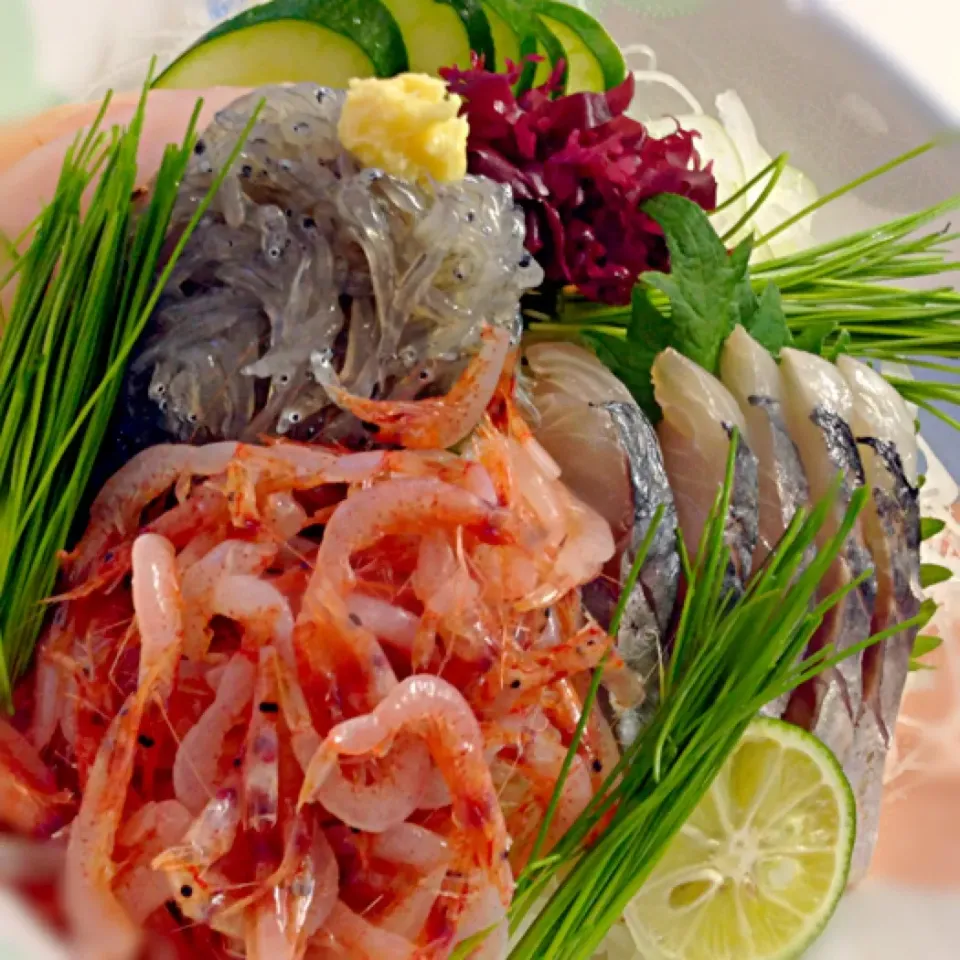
(85, 287)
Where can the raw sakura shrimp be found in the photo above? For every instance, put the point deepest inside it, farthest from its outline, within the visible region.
(440, 422)
(430, 707)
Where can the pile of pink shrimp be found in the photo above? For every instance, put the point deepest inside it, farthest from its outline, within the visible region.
(300, 702)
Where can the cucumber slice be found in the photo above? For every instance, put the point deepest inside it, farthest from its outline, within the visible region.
(595, 61)
(506, 43)
(442, 33)
(326, 41)
(529, 35)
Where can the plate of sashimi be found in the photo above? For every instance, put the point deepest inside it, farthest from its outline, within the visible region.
(453, 508)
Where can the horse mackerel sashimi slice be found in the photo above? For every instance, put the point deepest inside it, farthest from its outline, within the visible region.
(609, 455)
(751, 375)
(819, 406)
(886, 439)
(699, 419)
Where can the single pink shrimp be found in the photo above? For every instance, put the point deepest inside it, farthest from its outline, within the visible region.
(405, 505)
(102, 928)
(29, 800)
(386, 793)
(196, 767)
(450, 598)
(117, 508)
(347, 934)
(200, 587)
(439, 422)
(198, 890)
(435, 710)
(294, 902)
(159, 611)
(139, 888)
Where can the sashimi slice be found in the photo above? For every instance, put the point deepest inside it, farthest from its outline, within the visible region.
(750, 373)
(819, 407)
(608, 454)
(886, 438)
(699, 417)
(570, 386)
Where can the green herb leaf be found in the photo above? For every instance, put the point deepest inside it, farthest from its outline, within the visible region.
(930, 527)
(767, 324)
(839, 346)
(704, 281)
(631, 364)
(923, 645)
(813, 337)
(932, 573)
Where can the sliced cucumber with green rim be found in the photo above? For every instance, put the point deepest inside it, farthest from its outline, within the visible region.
(326, 41)
(529, 35)
(594, 61)
(506, 43)
(441, 33)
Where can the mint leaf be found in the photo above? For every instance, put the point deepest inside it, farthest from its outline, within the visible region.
(932, 573)
(631, 363)
(767, 325)
(840, 345)
(704, 285)
(930, 527)
(812, 338)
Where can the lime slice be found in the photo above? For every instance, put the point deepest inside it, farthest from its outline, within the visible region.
(760, 866)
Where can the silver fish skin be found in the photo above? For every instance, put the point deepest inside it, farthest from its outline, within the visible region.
(699, 416)
(610, 457)
(886, 437)
(819, 405)
(649, 608)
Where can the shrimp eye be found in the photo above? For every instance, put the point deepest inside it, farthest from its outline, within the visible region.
(268, 706)
(199, 148)
(525, 261)
(515, 684)
(597, 766)
(146, 741)
(186, 890)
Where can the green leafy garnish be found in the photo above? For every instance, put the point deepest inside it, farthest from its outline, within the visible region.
(932, 573)
(694, 308)
(844, 296)
(930, 527)
(923, 645)
(86, 285)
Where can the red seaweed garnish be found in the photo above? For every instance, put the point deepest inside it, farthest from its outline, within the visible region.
(581, 170)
